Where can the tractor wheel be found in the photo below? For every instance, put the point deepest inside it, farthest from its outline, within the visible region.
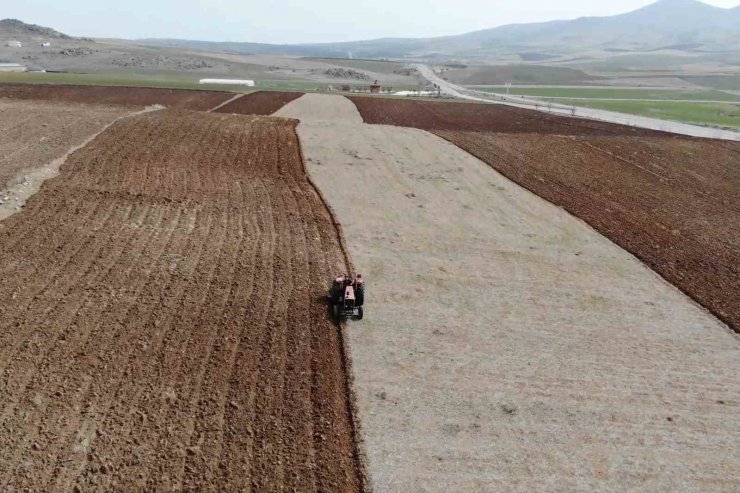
(336, 294)
(360, 296)
(335, 311)
(359, 313)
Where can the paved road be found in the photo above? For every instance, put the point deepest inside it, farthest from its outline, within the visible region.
(640, 100)
(593, 114)
(550, 86)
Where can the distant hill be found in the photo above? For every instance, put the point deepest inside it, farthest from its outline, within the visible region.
(13, 28)
(683, 25)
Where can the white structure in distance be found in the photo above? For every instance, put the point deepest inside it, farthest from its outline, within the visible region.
(12, 67)
(228, 82)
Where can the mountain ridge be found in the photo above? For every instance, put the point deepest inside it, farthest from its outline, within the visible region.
(690, 24)
(678, 25)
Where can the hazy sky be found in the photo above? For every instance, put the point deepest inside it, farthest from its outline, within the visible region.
(298, 21)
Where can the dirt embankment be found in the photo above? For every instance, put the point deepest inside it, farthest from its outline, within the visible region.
(259, 103)
(433, 115)
(162, 324)
(128, 96)
(671, 201)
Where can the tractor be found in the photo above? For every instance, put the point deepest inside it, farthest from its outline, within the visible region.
(347, 295)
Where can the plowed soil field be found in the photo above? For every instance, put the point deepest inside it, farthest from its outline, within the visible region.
(260, 103)
(129, 96)
(34, 133)
(162, 324)
(672, 202)
(433, 115)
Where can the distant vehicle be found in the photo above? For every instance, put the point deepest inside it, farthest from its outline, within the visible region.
(15, 44)
(46, 44)
(347, 296)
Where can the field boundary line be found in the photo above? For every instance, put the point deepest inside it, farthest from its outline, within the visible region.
(35, 178)
(358, 442)
(228, 101)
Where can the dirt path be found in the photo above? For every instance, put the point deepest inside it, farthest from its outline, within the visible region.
(162, 324)
(322, 108)
(228, 101)
(258, 103)
(506, 345)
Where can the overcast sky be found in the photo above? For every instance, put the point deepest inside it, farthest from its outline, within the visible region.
(299, 21)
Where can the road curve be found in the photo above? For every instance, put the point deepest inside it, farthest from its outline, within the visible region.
(593, 114)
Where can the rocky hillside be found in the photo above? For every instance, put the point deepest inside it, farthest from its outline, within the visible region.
(13, 28)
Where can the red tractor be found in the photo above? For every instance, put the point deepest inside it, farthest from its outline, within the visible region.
(347, 296)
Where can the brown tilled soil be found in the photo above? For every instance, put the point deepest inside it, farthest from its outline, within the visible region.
(672, 202)
(260, 103)
(433, 115)
(34, 133)
(129, 96)
(162, 324)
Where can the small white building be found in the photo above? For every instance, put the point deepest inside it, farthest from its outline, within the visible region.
(228, 82)
(15, 44)
(12, 67)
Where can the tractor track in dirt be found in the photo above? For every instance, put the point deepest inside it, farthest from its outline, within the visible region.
(258, 103)
(162, 319)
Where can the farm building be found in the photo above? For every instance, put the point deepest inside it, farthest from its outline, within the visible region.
(15, 44)
(12, 67)
(230, 82)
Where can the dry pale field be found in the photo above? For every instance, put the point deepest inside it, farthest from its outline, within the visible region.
(507, 346)
(672, 201)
